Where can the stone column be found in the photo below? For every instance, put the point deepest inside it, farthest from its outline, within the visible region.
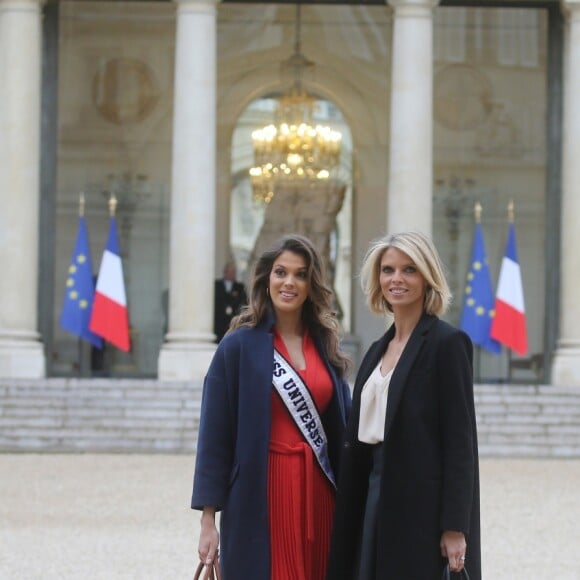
(566, 363)
(21, 352)
(411, 135)
(189, 342)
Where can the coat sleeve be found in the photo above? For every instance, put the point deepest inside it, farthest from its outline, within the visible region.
(215, 450)
(458, 430)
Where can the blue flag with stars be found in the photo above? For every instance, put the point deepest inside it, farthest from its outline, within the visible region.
(80, 290)
(479, 300)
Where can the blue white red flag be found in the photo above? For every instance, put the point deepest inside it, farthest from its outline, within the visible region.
(478, 305)
(509, 323)
(110, 318)
(80, 290)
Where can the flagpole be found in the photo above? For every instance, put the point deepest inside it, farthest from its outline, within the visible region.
(478, 302)
(80, 340)
(109, 317)
(477, 210)
(510, 212)
(112, 212)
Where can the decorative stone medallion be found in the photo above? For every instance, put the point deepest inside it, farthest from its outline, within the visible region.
(462, 97)
(125, 90)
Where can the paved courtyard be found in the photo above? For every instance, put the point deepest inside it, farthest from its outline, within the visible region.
(108, 517)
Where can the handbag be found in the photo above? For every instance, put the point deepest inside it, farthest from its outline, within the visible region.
(447, 573)
(213, 572)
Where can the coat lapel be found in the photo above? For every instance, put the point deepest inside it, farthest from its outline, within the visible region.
(372, 360)
(336, 381)
(399, 378)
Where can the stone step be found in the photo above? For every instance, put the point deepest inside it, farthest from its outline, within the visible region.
(150, 419)
(535, 450)
(153, 416)
(110, 445)
(99, 415)
(91, 412)
(95, 433)
(540, 421)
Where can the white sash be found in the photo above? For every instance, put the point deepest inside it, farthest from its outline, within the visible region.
(297, 399)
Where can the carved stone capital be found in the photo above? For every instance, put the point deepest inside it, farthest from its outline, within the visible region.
(413, 8)
(20, 5)
(571, 8)
(196, 5)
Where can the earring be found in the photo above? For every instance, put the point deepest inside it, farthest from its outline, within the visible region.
(267, 291)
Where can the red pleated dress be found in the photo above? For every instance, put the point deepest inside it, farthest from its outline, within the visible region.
(300, 497)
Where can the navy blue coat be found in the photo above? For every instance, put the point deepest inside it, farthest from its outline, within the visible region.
(430, 478)
(232, 452)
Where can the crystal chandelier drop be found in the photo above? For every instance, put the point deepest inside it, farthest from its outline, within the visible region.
(295, 148)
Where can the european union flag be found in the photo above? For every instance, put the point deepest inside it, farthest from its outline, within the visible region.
(479, 302)
(80, 290)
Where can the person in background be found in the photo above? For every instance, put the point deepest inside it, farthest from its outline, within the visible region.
(229, 297)
(274, 409)
(408, 492)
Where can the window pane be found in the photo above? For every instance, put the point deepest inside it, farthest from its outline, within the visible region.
(114, 112)
(490, 147)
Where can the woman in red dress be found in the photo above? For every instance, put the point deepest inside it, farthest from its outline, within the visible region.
(301, 508)
(273, 414)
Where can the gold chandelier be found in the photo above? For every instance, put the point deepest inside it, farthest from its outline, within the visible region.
(293, 149)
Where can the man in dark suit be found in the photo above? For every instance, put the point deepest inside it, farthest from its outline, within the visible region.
(229, 297)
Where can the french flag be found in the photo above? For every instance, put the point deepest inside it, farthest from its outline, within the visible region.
(509, 322)
(109, 318)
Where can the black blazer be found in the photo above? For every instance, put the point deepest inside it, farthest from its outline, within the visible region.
(430, 478)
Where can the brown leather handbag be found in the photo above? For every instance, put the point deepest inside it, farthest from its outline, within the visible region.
(213, 572)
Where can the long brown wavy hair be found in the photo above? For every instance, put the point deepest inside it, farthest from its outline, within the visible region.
(317, 311)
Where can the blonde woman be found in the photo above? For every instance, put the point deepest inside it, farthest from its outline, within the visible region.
(408, 492)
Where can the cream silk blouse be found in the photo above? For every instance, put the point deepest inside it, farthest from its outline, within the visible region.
(373, 407)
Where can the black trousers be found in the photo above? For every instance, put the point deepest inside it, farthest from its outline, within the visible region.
(368, 543)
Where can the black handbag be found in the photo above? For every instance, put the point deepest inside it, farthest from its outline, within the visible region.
(447, 573)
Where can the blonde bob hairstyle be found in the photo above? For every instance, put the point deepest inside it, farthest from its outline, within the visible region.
(424, 255)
